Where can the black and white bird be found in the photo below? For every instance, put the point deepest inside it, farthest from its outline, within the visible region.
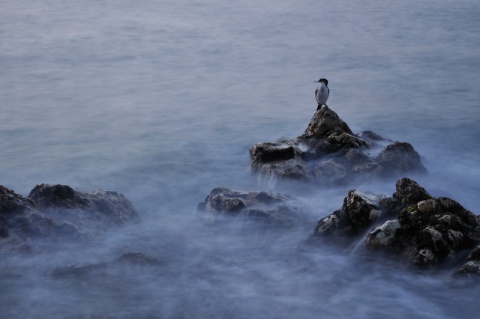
(322, 92)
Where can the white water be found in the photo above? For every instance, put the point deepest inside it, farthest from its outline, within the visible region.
(160, 100)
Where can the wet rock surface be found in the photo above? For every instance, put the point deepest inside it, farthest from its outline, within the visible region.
(410, 225)
(58, 212)
(328, 152)
(265, 208)
(357, 213)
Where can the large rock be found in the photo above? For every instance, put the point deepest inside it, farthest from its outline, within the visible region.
(329, 152)
(58, 212)
(106, 208)
(265, 208)
(427, 230)
(356, 215)
(411, 225)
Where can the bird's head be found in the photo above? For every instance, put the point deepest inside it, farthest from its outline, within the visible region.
(322, 80)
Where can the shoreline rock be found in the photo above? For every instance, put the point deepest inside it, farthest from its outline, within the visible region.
(58, 212)
(411, 225)
(328, 152)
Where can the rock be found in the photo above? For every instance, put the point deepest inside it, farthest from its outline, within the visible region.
(399, 158)
(263, 207)
(58, 212)
(427, 231)
(410, 225)
(407, 193)
(324, 123)
(436, 229)
(384, 237)
(356, 215)
(11, 203)
(469, 273)
(83, 271)
(109, 207)
(328, 152)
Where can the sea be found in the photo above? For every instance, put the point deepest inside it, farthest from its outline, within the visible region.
(160, 100)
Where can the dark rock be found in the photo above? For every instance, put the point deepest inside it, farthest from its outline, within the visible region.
(411, 225)
(469, 273)
(356, 215)
(407, 193)
(58, 212)
(329, 152)
(108, 206)
(267, 208)
(399, 158)
(427, 231)
(271, 152)
(324, 123)
(11, 203)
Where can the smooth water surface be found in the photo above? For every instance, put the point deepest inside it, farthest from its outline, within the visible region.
(160, 100)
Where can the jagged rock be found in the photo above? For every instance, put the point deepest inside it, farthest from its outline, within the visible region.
(58, 212)
(267, 208)
(411, 225)
(324, 123)
(427, 230)
(408, 192)
(356, 215)
(11, 203)
(106, 207)
(329, 152)
(384, 237)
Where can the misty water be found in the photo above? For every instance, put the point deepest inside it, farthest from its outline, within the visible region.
(160, 100)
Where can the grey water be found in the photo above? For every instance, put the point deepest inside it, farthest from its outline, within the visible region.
(160, 100)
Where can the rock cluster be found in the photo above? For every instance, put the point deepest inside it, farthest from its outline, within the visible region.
(59, 212)
(329, 152)
(267, 208)
(411, 225)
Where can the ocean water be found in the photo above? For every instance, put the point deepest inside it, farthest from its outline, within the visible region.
(160, 100)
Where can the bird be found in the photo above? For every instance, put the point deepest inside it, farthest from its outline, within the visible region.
(322, 92)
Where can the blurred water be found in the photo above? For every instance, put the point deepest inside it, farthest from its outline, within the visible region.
(160, 100)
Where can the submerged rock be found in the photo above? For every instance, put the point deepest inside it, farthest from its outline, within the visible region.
(94, 270)
(58, 212)
(263, 207)
(469, 273)
(329, 152)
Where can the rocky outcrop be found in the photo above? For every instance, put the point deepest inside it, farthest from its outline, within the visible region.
(59, 212)
(106, 208)
(329, 152)
(414, 226)
(265, 208)
(356, 215)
